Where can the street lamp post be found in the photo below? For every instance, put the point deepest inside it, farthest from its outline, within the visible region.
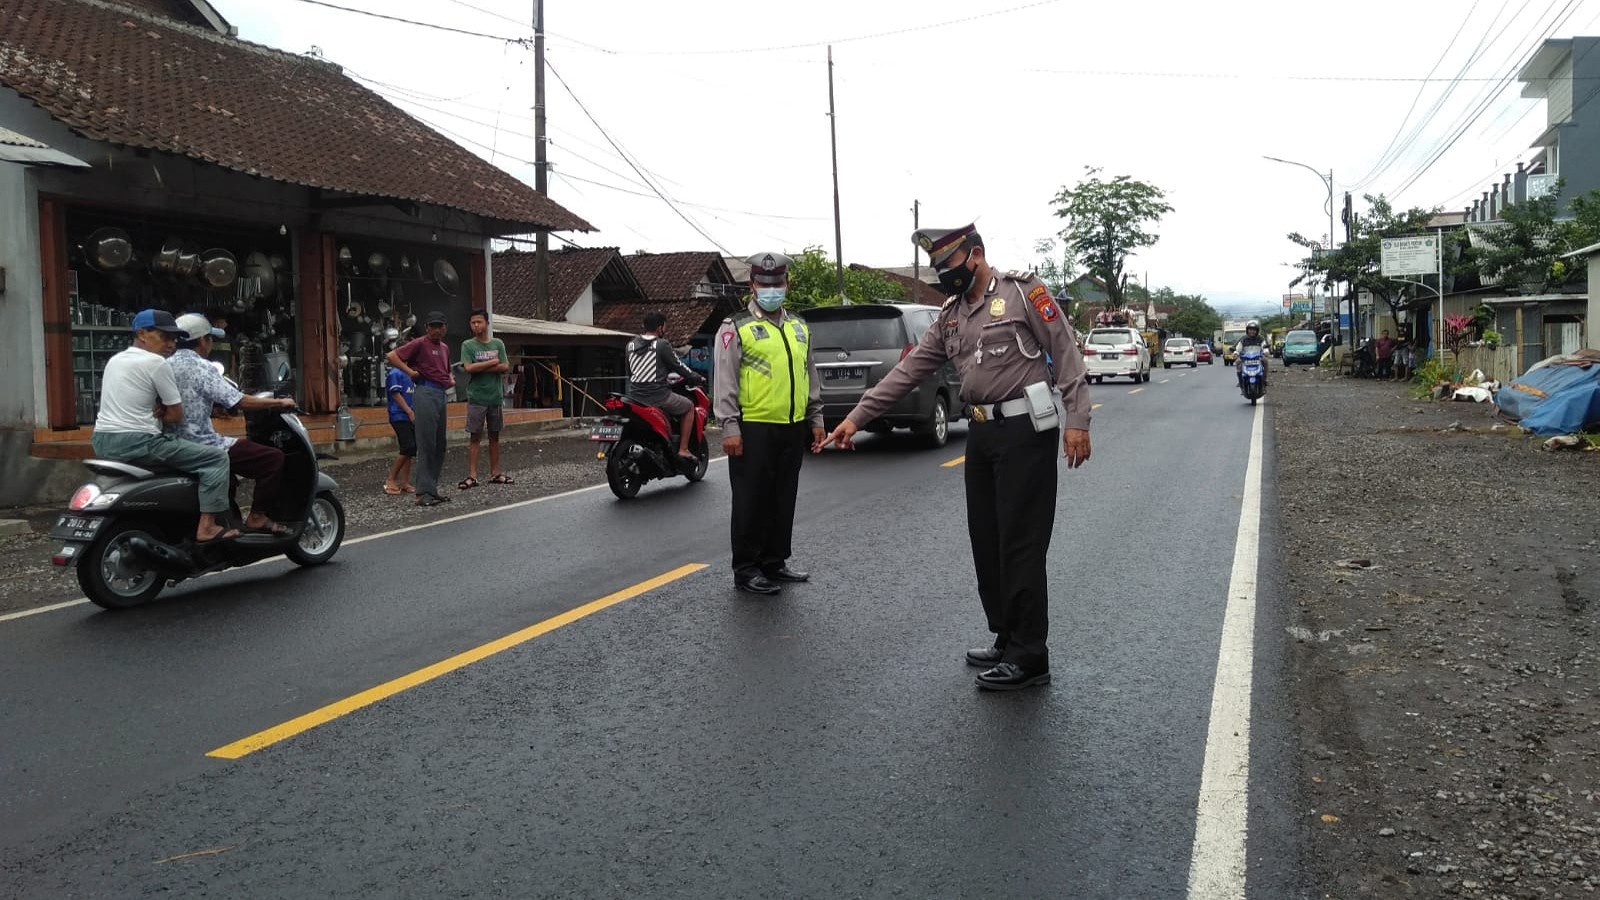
(1332, 240)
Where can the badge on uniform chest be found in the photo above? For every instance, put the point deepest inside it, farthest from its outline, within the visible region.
(759, 332)
(997, 307)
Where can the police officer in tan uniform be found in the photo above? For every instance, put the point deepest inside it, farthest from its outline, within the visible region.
(1012, 345)
(768, 398)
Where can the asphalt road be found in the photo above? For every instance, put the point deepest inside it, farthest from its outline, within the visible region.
(688, 741)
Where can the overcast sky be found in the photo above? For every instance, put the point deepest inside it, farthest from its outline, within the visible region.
(981, 111)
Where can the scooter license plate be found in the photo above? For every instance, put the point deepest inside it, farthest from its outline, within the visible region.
(605, 432)
(76, 528)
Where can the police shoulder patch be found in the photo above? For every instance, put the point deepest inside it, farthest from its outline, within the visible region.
(1044, 303)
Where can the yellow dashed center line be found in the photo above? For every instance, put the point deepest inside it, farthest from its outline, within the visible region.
(372, 695)
(1165, 380)
(1096, 406)
(953, 463)
(1136, 390)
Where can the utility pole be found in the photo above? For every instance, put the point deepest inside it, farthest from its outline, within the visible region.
(833, 138)
(916, 255)
(541, 177)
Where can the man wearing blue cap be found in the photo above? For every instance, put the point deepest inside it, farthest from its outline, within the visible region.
(138, 395)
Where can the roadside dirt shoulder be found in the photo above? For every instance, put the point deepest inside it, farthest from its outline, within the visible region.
(1443, 580)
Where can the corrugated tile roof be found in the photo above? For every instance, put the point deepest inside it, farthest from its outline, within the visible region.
(684, 317)
(675, 276)
(125, 77)
(572, 270)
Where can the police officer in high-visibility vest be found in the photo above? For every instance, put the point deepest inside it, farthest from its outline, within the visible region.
(1023, 379)
(767, 396)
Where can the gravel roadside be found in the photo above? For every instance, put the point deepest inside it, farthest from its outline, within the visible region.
(542, 464)
(1445, 695)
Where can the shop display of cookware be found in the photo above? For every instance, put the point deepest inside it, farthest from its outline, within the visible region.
(218, 268)
(445, 276)
(263, 275)
(166, 259)
(108, 249)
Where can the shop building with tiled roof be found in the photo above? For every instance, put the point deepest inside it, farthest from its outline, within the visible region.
(145, 139)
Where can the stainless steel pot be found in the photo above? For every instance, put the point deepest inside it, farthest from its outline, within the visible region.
(109, 249)
(218, 268)
(445, 276)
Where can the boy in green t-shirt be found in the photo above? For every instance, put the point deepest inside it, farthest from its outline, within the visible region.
(484, 360)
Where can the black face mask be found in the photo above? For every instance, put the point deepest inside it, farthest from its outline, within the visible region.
(956, 282)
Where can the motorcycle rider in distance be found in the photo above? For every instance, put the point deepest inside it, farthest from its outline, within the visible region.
(650, 359)
(1252, 338)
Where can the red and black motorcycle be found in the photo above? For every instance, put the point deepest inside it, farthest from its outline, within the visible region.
(639, 444)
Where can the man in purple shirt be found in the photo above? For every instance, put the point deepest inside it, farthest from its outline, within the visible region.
(426, 361)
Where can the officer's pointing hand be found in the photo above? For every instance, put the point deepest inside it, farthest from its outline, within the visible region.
(733, 446)
(841, 436)
(1075, 446)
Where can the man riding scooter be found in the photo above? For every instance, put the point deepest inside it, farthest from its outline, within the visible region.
(1252, 338)
(650, 359)
(203, 387)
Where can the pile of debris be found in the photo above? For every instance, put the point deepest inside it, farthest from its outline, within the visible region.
(1559, 398)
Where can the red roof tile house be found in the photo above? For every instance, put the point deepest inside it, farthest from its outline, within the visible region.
(694, 290)
(148, 157)
(564, 362)
(580, 279)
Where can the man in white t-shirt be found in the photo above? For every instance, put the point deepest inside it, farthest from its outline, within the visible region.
(138, 394)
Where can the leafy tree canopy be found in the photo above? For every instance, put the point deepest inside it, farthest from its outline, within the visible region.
(814, 281)
(1107, 221)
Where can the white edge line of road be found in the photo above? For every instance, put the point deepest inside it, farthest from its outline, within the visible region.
(1218, 861)
(23, 614)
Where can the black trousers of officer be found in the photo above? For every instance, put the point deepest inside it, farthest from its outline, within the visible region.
(766, 482)
(1011, 509)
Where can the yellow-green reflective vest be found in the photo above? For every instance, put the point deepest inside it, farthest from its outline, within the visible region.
(774, 383)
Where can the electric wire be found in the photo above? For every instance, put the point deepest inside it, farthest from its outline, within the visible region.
(603, 133)
(1421, 89)
(1561, 18)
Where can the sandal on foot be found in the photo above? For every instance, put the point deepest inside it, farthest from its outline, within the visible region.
(276, 529)
(466, 483)
(224, 535)
(501, 478)
(429, 500)
(392, 491)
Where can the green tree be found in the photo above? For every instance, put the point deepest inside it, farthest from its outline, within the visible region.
(1194, 316)
(1359, 260)
(1055, 267)
(814, 281)
(1527, 246)
(1107, 221)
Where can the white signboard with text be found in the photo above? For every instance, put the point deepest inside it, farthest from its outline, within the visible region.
(1410, 256)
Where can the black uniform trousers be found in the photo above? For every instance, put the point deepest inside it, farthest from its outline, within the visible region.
(1011, 510)
(766, 482)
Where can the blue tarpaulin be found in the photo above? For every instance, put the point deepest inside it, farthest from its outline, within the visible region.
(1553, 399)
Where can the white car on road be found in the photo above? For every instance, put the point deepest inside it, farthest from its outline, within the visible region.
(1116, 353)
(1178, 352)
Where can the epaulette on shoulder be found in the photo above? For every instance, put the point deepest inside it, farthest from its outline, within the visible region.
(949, 302)
(1019, 275)
(739, 318)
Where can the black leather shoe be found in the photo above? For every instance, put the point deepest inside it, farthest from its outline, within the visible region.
(757, 584)
(983, 657)
(1011, 677)
(784, 573)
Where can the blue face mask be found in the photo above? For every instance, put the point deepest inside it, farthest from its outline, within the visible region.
(770, 299)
